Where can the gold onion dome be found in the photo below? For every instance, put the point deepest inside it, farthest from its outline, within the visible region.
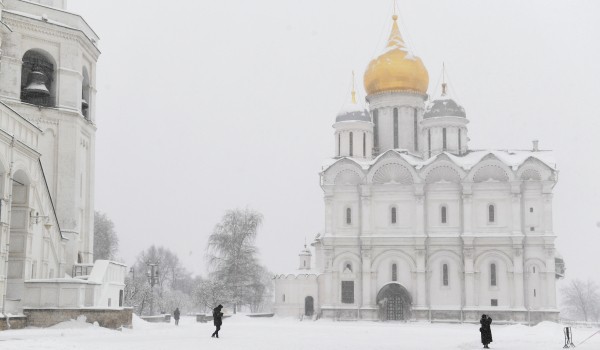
(397, 69)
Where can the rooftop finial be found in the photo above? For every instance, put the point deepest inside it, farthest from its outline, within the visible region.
(444, 85)
(395, 16)
(353, 90)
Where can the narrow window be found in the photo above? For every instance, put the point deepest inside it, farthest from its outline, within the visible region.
(444, 138)
(459, 141)
(445, 274)
(348, 292)
(534, 269)
(348, 216)
(532, 229)
(304, 262)
(283, 298)
(494, 302)
(531, 210)
(364, 144)
(376, 131)
(491, 213)
(534, 293)
(393, 215)
(339, 144)
(351, 144)
(416, 130)
(394, 272)
(493, 274)
(444, 211)
(395, 127)
(429, 142)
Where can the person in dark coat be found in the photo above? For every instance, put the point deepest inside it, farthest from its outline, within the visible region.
(486, 331)
(176, 316)
(217, 320)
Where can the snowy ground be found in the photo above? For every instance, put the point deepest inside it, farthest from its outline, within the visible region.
(240, 332)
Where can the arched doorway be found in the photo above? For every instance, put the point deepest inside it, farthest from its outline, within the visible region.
(394, 302)
(309, 306)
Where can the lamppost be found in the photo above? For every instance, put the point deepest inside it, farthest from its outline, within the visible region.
(152, 275)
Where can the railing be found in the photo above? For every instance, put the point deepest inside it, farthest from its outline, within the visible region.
(82, 270)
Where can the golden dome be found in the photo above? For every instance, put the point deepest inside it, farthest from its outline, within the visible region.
(396, 69)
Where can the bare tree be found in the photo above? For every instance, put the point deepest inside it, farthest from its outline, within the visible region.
(581, 300)
(106, 242)
(231, 253)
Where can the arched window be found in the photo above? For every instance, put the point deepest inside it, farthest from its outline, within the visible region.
(37, 79)
(491, 213)
(348, 216)
(493, 274)
(394, 272)
(395, 127)
(393, 215)
(351, 144)
(444, 214)
(444, 138)
(364, 144)
(534, 269)
(429, 142)
(415, 130)
(376, 131)
(283, 298)
(445, 274)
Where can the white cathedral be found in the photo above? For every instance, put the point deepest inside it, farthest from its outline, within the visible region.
(417, 225)
(47, 146)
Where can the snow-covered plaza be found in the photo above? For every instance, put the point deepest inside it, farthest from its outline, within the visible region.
(241, 332)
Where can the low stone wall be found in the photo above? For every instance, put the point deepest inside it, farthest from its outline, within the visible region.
(108, 318)
(16, 322)
(157, 319)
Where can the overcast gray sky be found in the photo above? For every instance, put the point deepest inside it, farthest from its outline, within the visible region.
(210, 105)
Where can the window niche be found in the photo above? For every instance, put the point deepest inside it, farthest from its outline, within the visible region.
(85, 94)
(445, 281)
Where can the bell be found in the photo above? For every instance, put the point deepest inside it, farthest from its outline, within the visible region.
(37, 84)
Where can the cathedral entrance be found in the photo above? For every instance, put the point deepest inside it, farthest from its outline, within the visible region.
(394, 303)
(309, 308)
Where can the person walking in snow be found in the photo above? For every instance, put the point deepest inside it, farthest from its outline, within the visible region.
(217, 320)
(486, 331)
(176, 316)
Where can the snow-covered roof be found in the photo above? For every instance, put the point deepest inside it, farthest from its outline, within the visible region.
(444, 107)
(511, 158)
(353, 111)
(298, 273)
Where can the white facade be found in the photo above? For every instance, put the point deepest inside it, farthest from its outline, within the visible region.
(47, 144)
(425, 228)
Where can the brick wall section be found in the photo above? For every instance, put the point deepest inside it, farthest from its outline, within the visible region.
(108, 318)
(17, 322)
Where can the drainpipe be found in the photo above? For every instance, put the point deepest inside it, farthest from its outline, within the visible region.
(10, 178)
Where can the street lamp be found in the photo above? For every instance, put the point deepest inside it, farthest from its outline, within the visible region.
(152, 275)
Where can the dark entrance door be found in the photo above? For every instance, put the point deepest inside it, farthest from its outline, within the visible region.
(309, 308)
(394, 302)
(395, 308)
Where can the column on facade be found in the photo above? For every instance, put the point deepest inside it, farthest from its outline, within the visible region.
(469, 287)
(547, 210)
(365, 193)
(519, 291)
(366, 279)
(420, 244)
(517, 232)
(467, 240)
(328, 212)
(550, 279)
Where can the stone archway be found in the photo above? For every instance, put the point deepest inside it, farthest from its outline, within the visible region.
(309, 306)
(394, 303)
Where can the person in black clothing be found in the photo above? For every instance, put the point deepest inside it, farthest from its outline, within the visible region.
(217, 320)
(176, 316)
(486, 331)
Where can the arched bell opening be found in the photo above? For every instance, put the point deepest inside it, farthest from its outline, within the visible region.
(394, 303)
(38, 78)
(85, 94)
(309, 306)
